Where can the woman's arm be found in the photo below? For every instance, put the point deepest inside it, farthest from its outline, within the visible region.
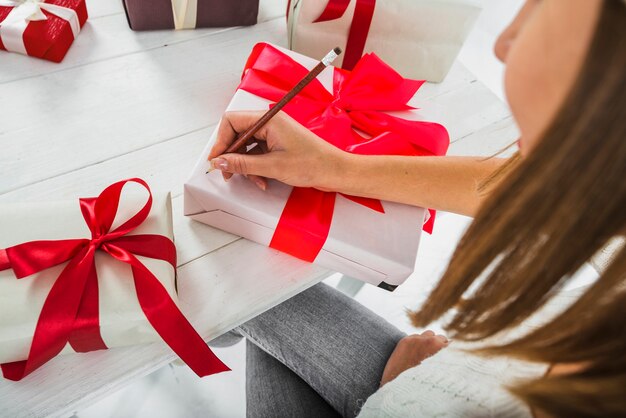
(298, 157)
(450, 184)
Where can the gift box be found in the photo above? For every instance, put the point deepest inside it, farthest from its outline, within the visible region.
(41, 28)
(190, 14)
(419, 38)
(89, 274)
(363, 238)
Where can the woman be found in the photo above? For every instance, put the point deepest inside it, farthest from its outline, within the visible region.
(545, 214)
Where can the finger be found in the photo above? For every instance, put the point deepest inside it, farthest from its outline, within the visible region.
(260, 182)
(226, 176)
(242, 121)
(428, 333)
(257, 150)
(442, 339)
(231, 125)
(263, 147)
(259, 165)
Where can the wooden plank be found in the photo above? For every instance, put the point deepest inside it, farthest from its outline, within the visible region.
(463, 111)
(224, 294)
(488, 141)
(165, 166)
(458, 77)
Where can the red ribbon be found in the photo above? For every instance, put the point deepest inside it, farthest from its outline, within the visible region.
(360, 97)
(70, 311)
(359, 29)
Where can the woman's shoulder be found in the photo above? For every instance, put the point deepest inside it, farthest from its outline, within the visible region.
(453, 384)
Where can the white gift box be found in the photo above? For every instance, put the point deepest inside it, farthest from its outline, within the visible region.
(122, 322)
(379, 248)
(419, 38)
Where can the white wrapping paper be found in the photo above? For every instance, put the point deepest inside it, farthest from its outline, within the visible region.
(122, 321)
(419, 38)
(362, 243)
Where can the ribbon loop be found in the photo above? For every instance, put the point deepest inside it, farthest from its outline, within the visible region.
(70, 313)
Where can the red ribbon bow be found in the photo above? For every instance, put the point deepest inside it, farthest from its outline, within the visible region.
(360, 97)
(70, 311)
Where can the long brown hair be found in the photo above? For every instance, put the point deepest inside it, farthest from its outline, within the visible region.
(546, 218)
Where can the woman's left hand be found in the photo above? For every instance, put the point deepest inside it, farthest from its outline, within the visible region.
(410, 352)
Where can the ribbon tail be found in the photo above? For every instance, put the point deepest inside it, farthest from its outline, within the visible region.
(86, 335)
(172, 325)
(14, 371)
(167, 320)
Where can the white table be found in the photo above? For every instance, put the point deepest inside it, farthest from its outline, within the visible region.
(126, 104)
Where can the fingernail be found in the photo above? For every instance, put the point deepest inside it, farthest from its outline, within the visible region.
(260, 184)
(219, 164)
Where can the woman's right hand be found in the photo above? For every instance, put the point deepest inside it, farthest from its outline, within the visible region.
(295, 155)
(410, 352)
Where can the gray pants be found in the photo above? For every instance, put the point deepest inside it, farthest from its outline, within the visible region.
(319, 354)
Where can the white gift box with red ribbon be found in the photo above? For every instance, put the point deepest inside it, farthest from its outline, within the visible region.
(379, 248)
(419, 38)
(122, 321)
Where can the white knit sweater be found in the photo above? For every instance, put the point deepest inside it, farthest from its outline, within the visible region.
(454, 383)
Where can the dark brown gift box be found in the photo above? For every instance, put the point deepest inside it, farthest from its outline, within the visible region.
(158, 14)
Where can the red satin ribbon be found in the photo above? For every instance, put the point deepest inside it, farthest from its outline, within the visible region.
(359, 29)
(70, 312)
(358, 104)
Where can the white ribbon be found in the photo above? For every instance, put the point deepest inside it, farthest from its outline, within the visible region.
(24, 11)
(185, 13)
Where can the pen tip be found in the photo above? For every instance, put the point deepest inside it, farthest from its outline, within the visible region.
(337, 51)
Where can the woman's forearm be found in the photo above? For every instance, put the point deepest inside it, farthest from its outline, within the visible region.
(444, 183)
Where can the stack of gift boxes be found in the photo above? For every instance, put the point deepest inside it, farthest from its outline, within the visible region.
(82, 285)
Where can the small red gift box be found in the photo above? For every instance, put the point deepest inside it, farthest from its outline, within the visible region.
(41, 28)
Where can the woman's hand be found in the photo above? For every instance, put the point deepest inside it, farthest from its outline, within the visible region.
(295, 155)
(292, 154)
(410, 352)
